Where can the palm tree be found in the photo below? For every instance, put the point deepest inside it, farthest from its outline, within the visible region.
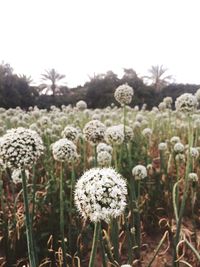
(54, 77)
(158, 77)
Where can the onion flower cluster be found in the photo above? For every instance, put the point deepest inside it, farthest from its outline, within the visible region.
(100, 194)
(64, 150)
(186, 103)
(94, 131)
(20, 148)
(123, 94)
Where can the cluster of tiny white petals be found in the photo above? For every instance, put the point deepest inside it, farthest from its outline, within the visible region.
(194, 153)
(179, 147)
(104, 159)
(100, 194)
(114, 135)
(168, 101)
(193, 177)
(104, 147)
(128, 132)
(64, 150)
(186, 103)
(94, 131)
(123, 94)
(81, 105)
(180, 157)
(162, 106)
(147, 132)
(17, 175)
(71, 133)
(20, 148)
(139, 172)
(174, 140)
(162, 146)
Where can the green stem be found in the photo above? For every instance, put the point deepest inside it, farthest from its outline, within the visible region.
(102, 249)
(62, 231)
(29, 234)
(94, 244)
(115, 238)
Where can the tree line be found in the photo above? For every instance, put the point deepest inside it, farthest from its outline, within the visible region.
(98, 92)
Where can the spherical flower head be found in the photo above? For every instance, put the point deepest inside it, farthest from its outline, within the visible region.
(20, 148)
(194, 153)
(94, 131)
(180, 157)
(139, 117)
(147, 132)
(128, 133)
(179, 148)
(71, 133)
(162, 146)
(64, 150)
(123, 94)
(104, 147)
(104, 159)
(174, 140)
(193, 177)
(114, 135)
(139, 172)
(162, 106)
(81, 105)
(186, 103)
(168, 101)
(100, 194)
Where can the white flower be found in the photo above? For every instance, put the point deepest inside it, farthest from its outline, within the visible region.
(104, 147)
(94, 131)
(20, 148)
(128, 132)
(168, 101)
(194, 153)
(162, 106)
(104, 158)
(179, 147)
(174, 140)
(139, 172)
(71, 133)
(193, 177)
(81, 105)
(147, 132)
(64, 150)
(114, 135)
(186, 102)
(123, 94)
(162, 146)
(100, 194)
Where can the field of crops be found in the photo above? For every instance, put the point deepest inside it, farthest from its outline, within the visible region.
(112, 187)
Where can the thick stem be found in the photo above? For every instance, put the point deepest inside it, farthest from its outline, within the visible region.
(29, 234)
(115, 238)
(94, 244)
(62, 231)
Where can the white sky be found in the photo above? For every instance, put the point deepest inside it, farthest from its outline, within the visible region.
(82, 37)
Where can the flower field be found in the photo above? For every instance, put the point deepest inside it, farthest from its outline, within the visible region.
(107, 187)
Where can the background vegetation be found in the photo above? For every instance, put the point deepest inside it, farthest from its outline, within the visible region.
(16, 90)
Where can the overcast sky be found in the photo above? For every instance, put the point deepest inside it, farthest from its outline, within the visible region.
(82, 37)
